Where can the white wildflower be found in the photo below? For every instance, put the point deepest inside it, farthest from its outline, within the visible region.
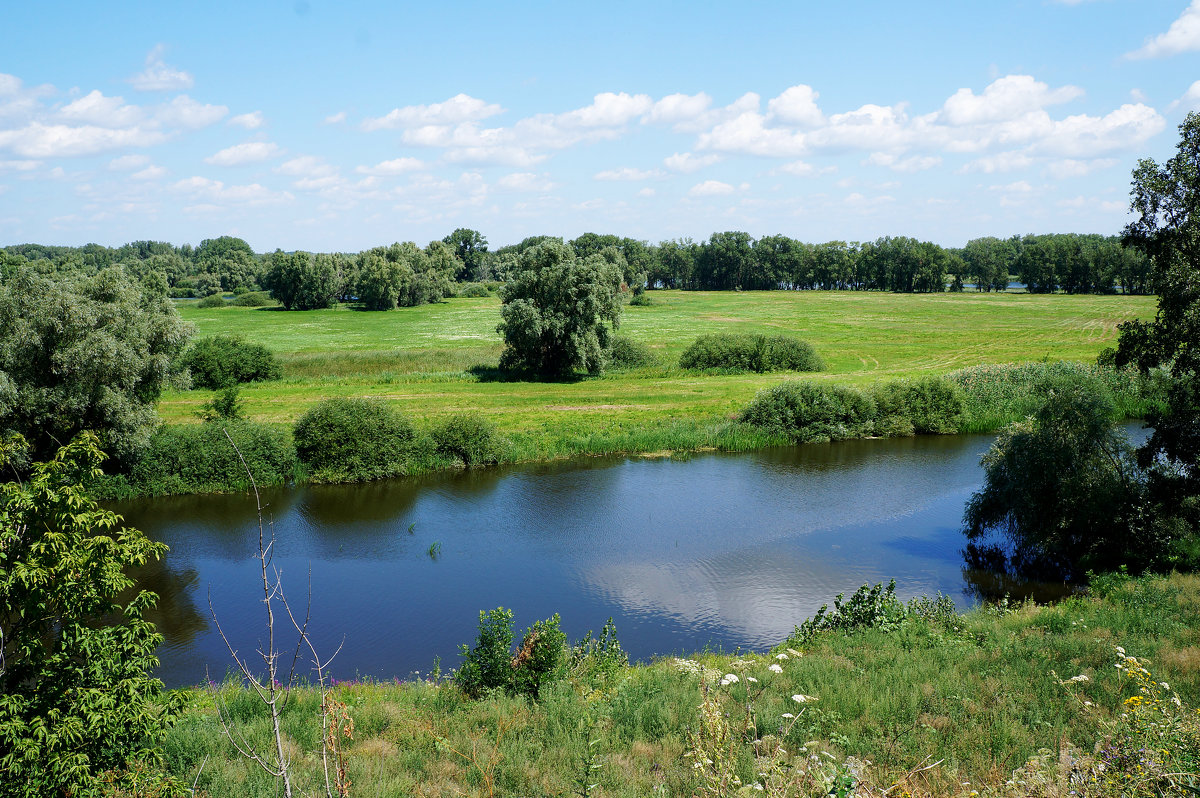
(788, 715)
(775, 668)
(1080, 678)
(751, 679)
(803, 699)
(781, 656)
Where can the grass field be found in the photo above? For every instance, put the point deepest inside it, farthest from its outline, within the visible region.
(421, 359)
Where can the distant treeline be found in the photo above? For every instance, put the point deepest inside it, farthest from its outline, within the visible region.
(406, 274)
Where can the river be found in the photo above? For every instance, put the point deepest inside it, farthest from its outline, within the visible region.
(721, 550)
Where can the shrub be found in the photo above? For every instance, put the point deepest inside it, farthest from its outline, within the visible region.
(212, 301)
(761, 353)
(253, 299)
(221, 361)
(353, 440)
(933, 405)
(468, 437)
(627, 353)
(197, 458)
(474, 290)
(180, 292)
(868, 608)
(804, 411)
(489, 664)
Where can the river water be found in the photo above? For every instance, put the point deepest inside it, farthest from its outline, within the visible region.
(721, 550)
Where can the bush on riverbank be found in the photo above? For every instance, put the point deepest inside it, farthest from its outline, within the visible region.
(733, 352)
(1000, 393)
(354, 440)
(979, 698)
(929, 406)
(468, 438)
(806, 412)
(198, 458)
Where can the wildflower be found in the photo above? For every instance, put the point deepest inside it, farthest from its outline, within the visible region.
(775, 668)
(1080, 678)
(751, 679)
(794, 652)
(803, 699)
(781, 656)
(728, 679)
(788, 715)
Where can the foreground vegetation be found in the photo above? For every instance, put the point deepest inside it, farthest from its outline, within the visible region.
(1009, 700)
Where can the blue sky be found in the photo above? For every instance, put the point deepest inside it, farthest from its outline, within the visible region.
(326, 126)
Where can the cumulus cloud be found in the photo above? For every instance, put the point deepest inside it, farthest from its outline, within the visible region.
(805, 169)
(396, 166)
(1183, 36)
(915, 163)
(458, 109)
(241, 154)
(157, 76)
(676, 108)
(1071, 167)
(184, 112)
(1008, 98)
(710, 188)
(797, 106)
(1191, 97)
(151, 172)
(37, 140)
(1000, 162)
(94, 108)
(217, 191)
(687, 162)
(250, 121)
(335, 119)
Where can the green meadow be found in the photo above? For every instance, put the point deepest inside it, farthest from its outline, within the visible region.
(434, 360)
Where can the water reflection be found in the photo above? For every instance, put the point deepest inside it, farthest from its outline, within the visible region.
(724, 550)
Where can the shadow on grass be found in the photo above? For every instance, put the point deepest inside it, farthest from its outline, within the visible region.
(484, 373)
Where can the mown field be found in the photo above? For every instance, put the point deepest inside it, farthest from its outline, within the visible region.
(862, 336)
(434, 360)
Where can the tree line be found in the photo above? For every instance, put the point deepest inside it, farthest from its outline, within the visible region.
(406, 274)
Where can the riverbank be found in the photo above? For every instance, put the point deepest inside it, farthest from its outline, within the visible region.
(1004, 701)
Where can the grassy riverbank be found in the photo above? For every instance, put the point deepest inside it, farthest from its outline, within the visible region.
(929, 705)
(436, 360)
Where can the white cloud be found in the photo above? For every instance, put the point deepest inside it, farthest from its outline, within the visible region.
(1191, 97)
(1183, 36)
(397, 166)
(157, 76)
(628, 173)
(1071, 167)
(248, 152)
(915, 163)
(1126, 128)
(797, 106)
(37, 140)
(1010, 97)
(127, 163)
(458, 109)
(646, 192)
(94, 108)
(1000, 162)
(149, 173)
(493, 156)
(687, 162)
(217, 191)
(309, 166)
(1018, 187)
(250, 121)
(805, 169)
(678, 108)
(524, 181)
(19, 166)
(710, 188)
(749, 134)
(184, 112)
(335, 119)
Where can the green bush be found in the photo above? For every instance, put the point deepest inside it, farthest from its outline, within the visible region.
(933, 405)
(354, 440)
(221, 361)
(627, 353)
(212, 301)
(468, 437)
(180, 292)
(253, 299)
(733, 352)
(805, 411)
(198, 458)
(474, 290)
(490, 665)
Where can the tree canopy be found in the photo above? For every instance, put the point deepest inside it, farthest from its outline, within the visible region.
(85, 353)
(559, 311)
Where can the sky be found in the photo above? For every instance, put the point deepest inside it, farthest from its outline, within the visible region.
(327, 126)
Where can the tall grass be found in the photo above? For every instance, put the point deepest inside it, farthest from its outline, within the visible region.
(1000, 393)
(979, 694)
